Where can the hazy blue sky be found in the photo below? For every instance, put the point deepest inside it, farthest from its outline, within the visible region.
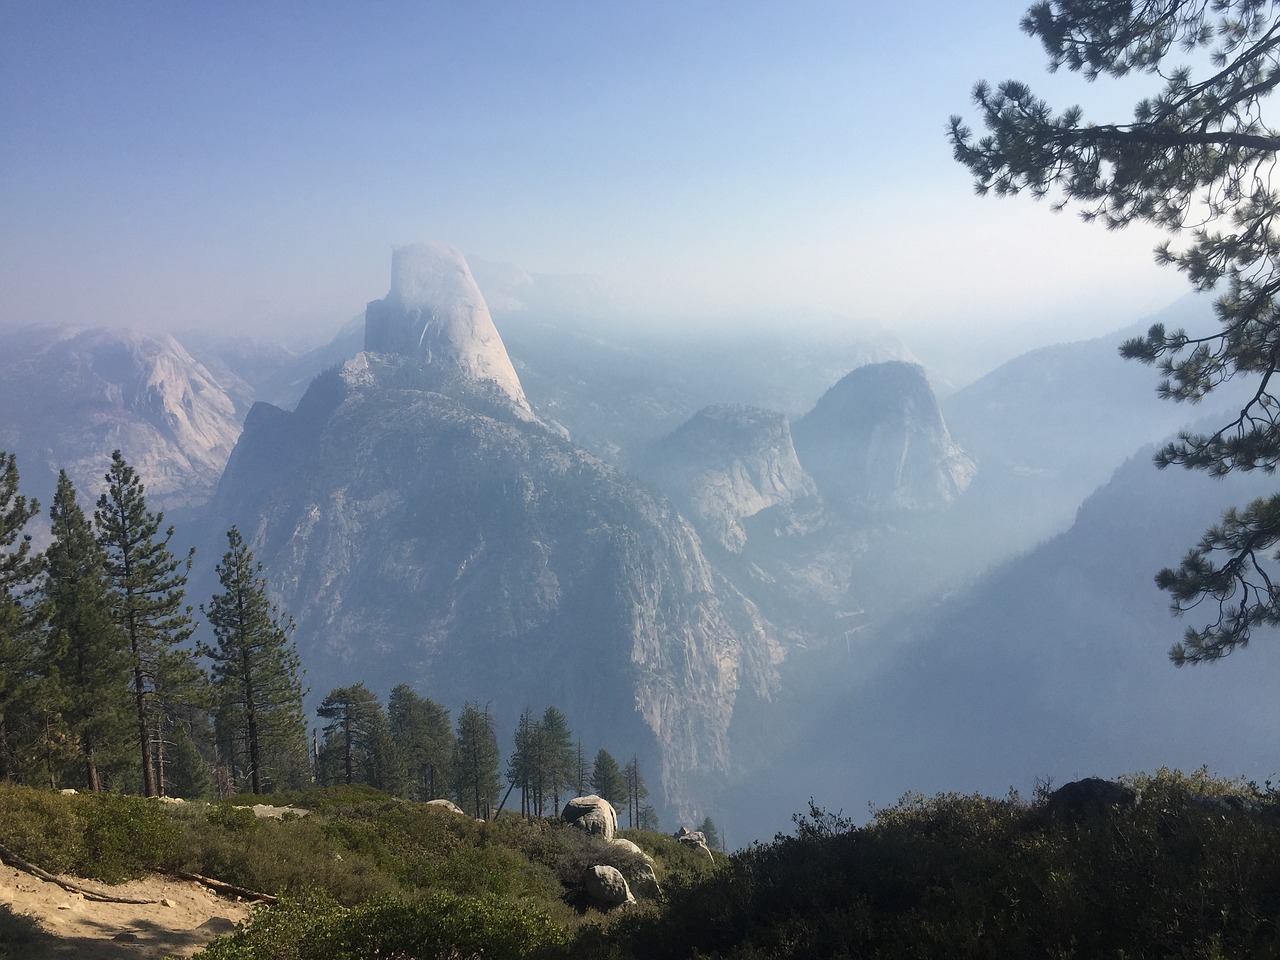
(243, 165)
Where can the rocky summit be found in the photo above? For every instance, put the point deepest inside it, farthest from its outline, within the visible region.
(877, 439)
(423, 527)
(82, 393)
(436, 314)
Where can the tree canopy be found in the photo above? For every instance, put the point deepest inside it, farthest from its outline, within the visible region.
(1195, 160)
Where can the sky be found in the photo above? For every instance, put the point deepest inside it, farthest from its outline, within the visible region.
(248, 167)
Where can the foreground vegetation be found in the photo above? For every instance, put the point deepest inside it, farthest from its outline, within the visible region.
(949, 876)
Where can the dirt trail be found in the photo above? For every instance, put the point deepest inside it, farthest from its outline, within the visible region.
(187, 917)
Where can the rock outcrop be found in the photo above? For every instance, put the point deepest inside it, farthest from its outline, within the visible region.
(729, 463)
(435, 313)
(69, 397)
(423, 528)
(694, 839)
(1089, 798)
(592, 814)
(607, 887)
(877, 439)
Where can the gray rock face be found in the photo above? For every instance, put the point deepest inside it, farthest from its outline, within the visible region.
(729, 463)
(422, 529)
(592, 814)
(1090, 797)
(694, 839)
(69, 397)
(607, 886)
(436, 313)
(446, 805)
(877, 439)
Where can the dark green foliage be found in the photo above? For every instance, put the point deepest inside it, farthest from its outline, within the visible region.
(712, 834)
(19, 639)
(148, 584)
(423, 737)
(543, 762)
(256, 673)
(357, 745)
(637, 793)
(607, 780)
(966, 876)
(439, 926)
(88, 652)
(1197, 156)
(475, 762)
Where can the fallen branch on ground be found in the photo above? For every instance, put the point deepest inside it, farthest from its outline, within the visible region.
(89, 893)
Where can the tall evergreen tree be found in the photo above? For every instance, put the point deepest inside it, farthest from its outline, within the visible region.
(357, 746)
(607, 780)
(637, 792)
(255, 666)
(19, 641)
(88, 651)
(711, 832)
(1196, 160)
(475, 761)
(149, 583)
(561, 756)
(423, 735)
(523, 767)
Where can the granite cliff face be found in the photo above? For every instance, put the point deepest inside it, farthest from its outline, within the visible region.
(423, 532)
(423, 526)
(729, 463)
(73, 396)
(436, 314)
(877, 439)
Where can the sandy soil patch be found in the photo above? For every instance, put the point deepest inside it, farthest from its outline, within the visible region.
(187, 918)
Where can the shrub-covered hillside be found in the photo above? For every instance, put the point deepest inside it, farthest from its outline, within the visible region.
(1190, 870)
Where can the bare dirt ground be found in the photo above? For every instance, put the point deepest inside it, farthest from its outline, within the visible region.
(186, 918)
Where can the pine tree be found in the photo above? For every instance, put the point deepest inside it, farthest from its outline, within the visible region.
(607, 780)
(19, 640)
(475, 762)
(423, 736)
(522, 768)
(255, 666)
(148, 583)
(561, 756)
(88, 651)
(1196, 160)
(711, 833)
(357, 740)
(637, 792)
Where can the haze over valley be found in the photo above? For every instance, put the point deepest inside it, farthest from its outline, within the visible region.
(768, 566)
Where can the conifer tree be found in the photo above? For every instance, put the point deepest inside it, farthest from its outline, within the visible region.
(20, 569)
(711, 832)
(523, 767)
(357, 740)
(1196, 160)
(148, 583)
(637, 792)
(88, 650)
(607, 780)
(475, 761)
(561, 756)
(255, 666)
(423, 735)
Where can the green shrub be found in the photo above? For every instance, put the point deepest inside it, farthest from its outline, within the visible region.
(439, 926)
(45, 828)
(126, 837)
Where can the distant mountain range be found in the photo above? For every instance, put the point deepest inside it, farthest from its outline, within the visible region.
(707, 550)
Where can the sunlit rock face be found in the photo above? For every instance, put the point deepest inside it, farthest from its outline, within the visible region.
(877, 439)
(436, 313)
(69, 397)
(424, 531)
(729, 463)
